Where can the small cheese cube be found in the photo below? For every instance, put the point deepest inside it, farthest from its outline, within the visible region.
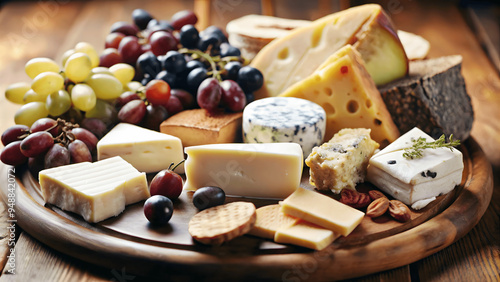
(146, 150)
(306, 234)
(269, 220)
(267, 170)
(322, 210)
(96, 191)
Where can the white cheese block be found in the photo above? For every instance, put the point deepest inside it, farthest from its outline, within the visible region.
(146, 150)
(413, 180)
(268, 170)
(284, 119)
(96, 191)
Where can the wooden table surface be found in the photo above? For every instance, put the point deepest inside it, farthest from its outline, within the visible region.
(47, 28)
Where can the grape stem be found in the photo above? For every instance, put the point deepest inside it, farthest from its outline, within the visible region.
(66, 136)
(213, 60)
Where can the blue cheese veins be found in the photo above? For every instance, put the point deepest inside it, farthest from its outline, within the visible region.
(284, 119)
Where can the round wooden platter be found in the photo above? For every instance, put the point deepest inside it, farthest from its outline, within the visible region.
(376, 245)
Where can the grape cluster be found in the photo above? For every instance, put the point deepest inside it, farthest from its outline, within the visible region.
(51, 143)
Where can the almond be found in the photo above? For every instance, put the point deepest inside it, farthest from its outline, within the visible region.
(375, 194)
(378, 207)
(399, 211)
(354, 199)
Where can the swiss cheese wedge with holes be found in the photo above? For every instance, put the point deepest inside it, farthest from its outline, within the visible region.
(347, 93)
(220, 224)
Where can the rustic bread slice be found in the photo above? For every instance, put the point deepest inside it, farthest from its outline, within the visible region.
(432, 97)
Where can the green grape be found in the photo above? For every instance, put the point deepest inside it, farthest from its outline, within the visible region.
(15, 92)
(88, 49)
(78, 67)
(36, 66)
(133, 86)
(66, 55)
(32, 96)
(46, 83)
(83, 97)
(103, 70)
(58, 103)
(106, 87)
(31, 112)
(103, 111)
(124, 72)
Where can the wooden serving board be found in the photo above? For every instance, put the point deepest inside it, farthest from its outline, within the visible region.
(376, 245)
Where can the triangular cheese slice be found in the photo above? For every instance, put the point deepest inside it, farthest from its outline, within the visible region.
(347, 93)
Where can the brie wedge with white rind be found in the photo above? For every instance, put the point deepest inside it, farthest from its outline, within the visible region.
(413, 180)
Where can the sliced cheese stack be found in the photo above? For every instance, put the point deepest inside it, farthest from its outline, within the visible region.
(415, 181)
(267, 170)
(96, 191)
(345, 90)
(284, 119)
(146, 150)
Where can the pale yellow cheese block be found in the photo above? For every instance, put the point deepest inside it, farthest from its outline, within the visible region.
(269, 220)
(345, 90)
(306, 234)
(322, 210)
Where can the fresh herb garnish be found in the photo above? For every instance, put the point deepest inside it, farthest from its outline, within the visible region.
(415, 151)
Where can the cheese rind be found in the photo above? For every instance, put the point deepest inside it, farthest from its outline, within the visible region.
(96, 191)
(322, 210)
(266, 170)
(306, 234)
(413, 180)
(146, 150)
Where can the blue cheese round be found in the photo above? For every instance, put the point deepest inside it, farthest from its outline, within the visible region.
(284, 119)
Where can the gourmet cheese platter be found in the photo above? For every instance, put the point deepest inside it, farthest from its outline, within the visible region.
(298, 150)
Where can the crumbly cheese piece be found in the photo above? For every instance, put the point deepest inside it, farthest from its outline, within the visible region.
(341, 162)
(269, 220)
(306, 234)
(266, 170)
(284, 119)
(322, 210)
(96, 191)
(347, 93)
(146, 150)
(413, 180)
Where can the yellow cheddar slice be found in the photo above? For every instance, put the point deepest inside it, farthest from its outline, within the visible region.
(347, 93)
(322, 210)
(269, 220)
(306, 234)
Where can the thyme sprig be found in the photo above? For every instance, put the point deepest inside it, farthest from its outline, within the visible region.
(419, 144)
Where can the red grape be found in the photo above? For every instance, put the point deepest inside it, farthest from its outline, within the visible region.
(45, 123)
(126, 97)
(56, 156)
(162, 42)
(166, 183)
(86, 136)
(233, 96)
(186, 98)
(13, 133)
(12, 155)
(110, 57)
(94, 125)
(36, 144)
(174, 105)
(133, 112)
(158, 209)
(155, 116)
(157, 92)
(113, 40)
(209, 94)
(36, 164)
(125, 28)
(130, 49)
(183, 18)
(79, 152)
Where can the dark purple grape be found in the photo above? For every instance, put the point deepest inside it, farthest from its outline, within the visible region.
(124, 27)
(86, 136)
(207, 197)
(173, 62)
(250, 97)
(155, 115)
(133, 112)
(94, 125)
(148, 63)
(158, 209)
(174, 105)
(194, 64)
(227, 50)
(195, 78)
(36, 144)
(126, 97)
(209, 40)
(57, 155)
(168, 77)
(216, 31)
(79, 152)
(13, 133)
(141, 18)
(231, 70)
(147, 78)
(209, 94)
(233, 96)
(155, 25)
(36, 164)
(12, 155)
(183, 18)
(162, 42)
(186, 98)
(130, 49)
(45, 123)
(250, 79)
(189, 36)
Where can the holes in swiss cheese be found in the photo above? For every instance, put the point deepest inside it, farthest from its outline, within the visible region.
(368, 103)
(352, 106)
(328, 91)
(283, 54)
(377, 122)
(316, 36)
(329, 109)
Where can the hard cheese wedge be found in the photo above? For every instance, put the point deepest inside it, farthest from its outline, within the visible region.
(289, 59)
(322, 210)
(414, 180)
(306, 234)
(267, 170)
(269, 220)
(96, 191)
(146, 150)
(345, 90)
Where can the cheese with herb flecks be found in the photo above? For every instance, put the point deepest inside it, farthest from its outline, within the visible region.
(415, 181)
